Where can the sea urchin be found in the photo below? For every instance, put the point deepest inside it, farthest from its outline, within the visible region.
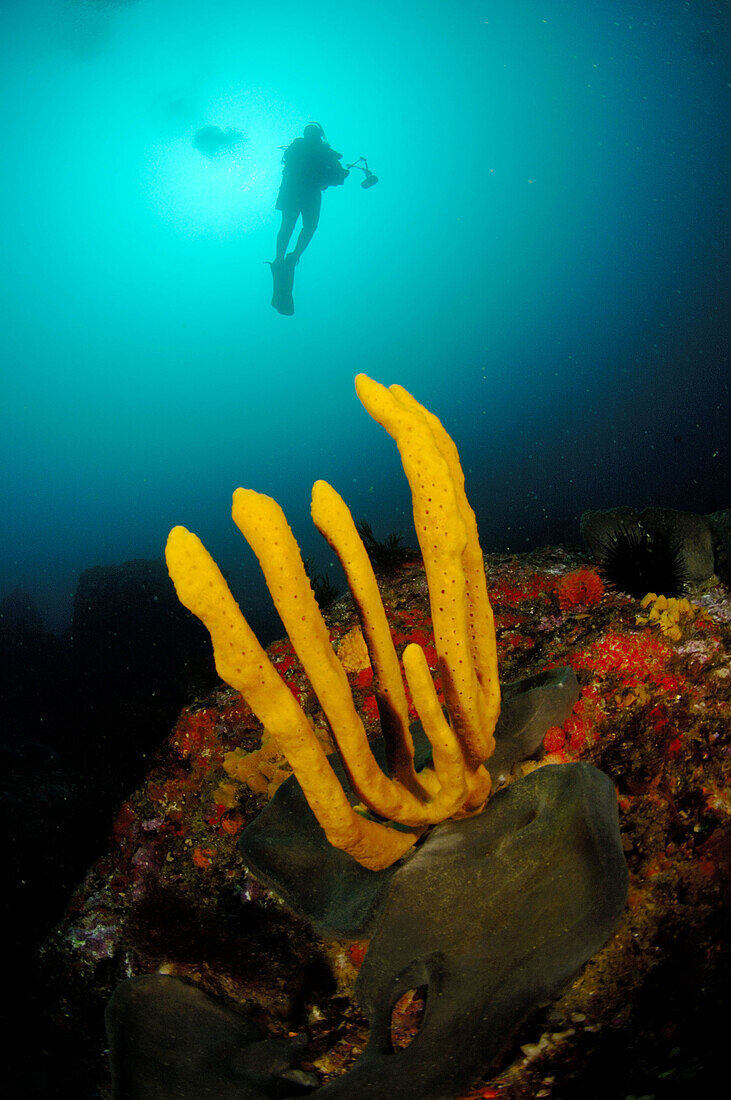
(637, 561)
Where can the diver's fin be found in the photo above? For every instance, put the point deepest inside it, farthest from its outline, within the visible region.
(283, 281)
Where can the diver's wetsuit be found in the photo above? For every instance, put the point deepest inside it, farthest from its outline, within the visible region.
(308, 169)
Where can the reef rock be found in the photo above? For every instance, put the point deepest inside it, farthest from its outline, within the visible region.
(720, 524)
(171, 893)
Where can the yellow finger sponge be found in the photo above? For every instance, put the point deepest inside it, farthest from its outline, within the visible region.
(243, 664)
(457, 782)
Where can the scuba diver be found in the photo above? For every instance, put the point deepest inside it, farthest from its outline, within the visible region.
(310, 166)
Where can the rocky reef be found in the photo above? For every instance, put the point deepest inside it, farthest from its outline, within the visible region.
(174, 896)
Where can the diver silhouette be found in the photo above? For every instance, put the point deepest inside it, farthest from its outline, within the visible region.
(310, 166)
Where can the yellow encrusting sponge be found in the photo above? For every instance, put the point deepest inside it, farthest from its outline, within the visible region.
(668, 613)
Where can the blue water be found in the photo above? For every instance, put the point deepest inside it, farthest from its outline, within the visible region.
(541, 264)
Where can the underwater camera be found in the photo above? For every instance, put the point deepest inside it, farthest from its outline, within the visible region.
(370, 178)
